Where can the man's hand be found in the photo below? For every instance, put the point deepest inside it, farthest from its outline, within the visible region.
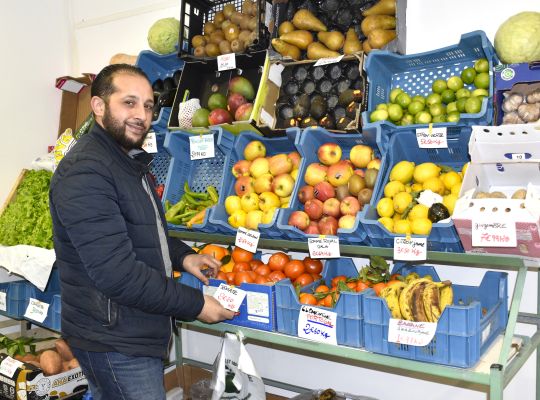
(213, 311)
(194, 263)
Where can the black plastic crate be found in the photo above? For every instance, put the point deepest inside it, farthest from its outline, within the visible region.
(194, 13)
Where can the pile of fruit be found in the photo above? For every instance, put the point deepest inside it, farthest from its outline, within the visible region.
(336, 189)
(400, 210)
(191, 208)
(231, 31)
(164, 92)
(263, 184)
(448, 99)
(379, 25)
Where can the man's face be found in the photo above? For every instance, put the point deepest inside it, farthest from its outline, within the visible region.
(128, 112)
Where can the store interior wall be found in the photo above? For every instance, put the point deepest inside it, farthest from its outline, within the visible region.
(42, 40)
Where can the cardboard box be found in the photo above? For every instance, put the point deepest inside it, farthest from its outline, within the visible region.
(75, 106)
(504, 159)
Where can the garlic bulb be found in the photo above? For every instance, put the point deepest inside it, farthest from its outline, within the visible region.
(511, 118)
(534, 97)
(529, 112)
(512, 102)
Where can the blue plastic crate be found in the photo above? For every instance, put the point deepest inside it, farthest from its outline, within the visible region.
(308, 143)
(16, 294)
(464, 330)
(277, 145)
(350, 319)
(403, 145)
(51, 296)
(198, 173)
(160, 164)
(415, 73)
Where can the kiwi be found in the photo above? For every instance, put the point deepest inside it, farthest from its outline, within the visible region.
(371, 177)
(364, 196)
(356, 184)
(342, 191)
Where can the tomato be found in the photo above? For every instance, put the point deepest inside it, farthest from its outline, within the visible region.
(378, 287)
(322, 289)
(293, 269)
(263, 270)
(316, 277)
(159, 190)
(308, 298)
(243, 277)
(304, 279)
(241, 266)
(255, 263)
(241, 255)
(277, 261)
(361, 285)
(338, 278)
(276, 276)
(230, 277)
(313, 266)
(261, 280)
(222, 276)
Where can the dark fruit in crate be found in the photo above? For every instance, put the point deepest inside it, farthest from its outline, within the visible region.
(342, 123)
(438, 212)
(307, 122)
(168, 83)
(344, 18)
(219, 116)
(285, 112)
(327, 122)
(318, 107)
(350, 111)
(330, 6)
(308, 5)
(352, 72)
(334, 71)
(176, 76)
(308, 87)
(346, 97)
(300, 73)
(324, 86)
(155, 111)
(317, 73)
(157, 86)
(357, 84)
(332, 101)
(301, 107)
(291, 88)
(343, 85)
(339, 112)
(166, 99)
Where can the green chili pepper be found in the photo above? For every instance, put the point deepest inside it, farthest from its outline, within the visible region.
(167, 205)
(213, 193)
(175, 209)
(195, 195)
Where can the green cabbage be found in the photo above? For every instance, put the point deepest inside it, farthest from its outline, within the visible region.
(163, 35)
(518, 39)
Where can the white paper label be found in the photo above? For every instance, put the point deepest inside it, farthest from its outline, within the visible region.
(519, 156)
(432, 138)
(317, 324)
(488, 233)
(258, 304)
(410, 249)
(150, 145)
(226, 62)
(247, 239)
(266, 118)
(9, 365)
(324, 247)
(230, 297)
(201, 146)
(3, 302)
(328, 60)
(268, 14)
(36, 310)
(410, 332)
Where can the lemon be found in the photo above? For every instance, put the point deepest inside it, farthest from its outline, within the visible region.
(450, 202)
(424, 171)
(401, 201)
(464, 169)
(418, 211)
(408, 189)
(402, 171)
(392, 188)
(421, 226)
(396, 217)
(416, 187)
(451, 179)
(402, 226)
(237, 219)
(456, 189)
(387, 222)
(385, 207)
(434, 184)
(232, 203)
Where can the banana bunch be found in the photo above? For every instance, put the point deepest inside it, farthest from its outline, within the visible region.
(418, 299)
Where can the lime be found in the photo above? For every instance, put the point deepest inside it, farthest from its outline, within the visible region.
(460, 104)
(403, 100)
(422, 117)
(482, 80)
(438, 86)
(394, 93)
(407, 119)
(453, 116)
(385, 207)
(468, 75)
(454, 83)
(473, 105)
(480, 93)
(451, 107)
(463, 92)
(481, 65)
(421, 226)
(436, 110)
(387, 222)
(378, 115)
(433, 98)
(448, 96)
(382, 106)
(419, 98)
(415, 107)
(395, 112)
(439, 118)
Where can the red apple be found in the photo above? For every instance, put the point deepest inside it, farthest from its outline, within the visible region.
(244, 185)
(234, 101)
(241, 168)
(328, 226)
(243, 113)
(329, 153)
(314, 209)
(315, 173)
(219, 116)
(306, 193)
(295, 158)
(299, 219)
(349, 206)
(283, 185)
(331, 208)
(346, 222)
(339, 173)
(312, 229)
(280, 164)
(323, 191)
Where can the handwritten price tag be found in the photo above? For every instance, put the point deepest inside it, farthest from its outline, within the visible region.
(410, 249)
(432, 138)
(201, 146)
(150, 145)
(324, 247)
(226, 62)
(317, 324)
(3, 303)
(36, 310)
(247, 239)
(328, 60)
(410, 332)
(9, 365)
(230, 297)
(487, 233)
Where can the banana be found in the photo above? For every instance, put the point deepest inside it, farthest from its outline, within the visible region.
(411, 277)
(405, 298)
(446, 295)
(430, 299)
(391, 295)
(429, 277)
(417, 302)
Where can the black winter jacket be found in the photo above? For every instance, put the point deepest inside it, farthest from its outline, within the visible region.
(115, 294)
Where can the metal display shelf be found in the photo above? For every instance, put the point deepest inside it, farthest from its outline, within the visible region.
(495, 378)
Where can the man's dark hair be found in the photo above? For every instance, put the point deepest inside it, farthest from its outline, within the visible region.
(103, 86)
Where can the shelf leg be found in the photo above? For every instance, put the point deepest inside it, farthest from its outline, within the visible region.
(496, 382)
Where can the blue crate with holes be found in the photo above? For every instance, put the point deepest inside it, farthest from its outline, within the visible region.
(464, 330)
(198, 173)
(277, 145)
(50, 296)
(16, 294)
(308, 143)
(160, 164)
(415, 74)
(403, 145)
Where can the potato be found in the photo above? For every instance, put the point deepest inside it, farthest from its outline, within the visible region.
(225, 47)
(199, 51)
(232, 32)
(236, 17)
(244, 35)
(211, 50)
(63, 349)
(237, 46)
(228, 10)
(209, 27)
(198, 40)
(252, 24)
(51, 362)
(217, 37)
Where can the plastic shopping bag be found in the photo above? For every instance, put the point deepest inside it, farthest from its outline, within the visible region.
(235, 376)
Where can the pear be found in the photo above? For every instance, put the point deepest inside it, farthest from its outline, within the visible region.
(304, 19)
(378, 38)
(384, 7)
(285, 27)
(286, 49)
(366, 48)
(352, 43)
(317, 50)
(333, 40)
(377, 21)
(301, 39)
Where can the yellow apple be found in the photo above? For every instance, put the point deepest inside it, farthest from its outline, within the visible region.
(237, 219)
(253, 219)
(329, 153)
(263, 183)
(361, 155)
(284, 201)
(283, 185)
(258, 167)
(374, 164)
(315, 173)
(268, 215)
(280, 164)
(254, 149)
(249, 202)
(294, 173)
(232, 203)
(268, 200)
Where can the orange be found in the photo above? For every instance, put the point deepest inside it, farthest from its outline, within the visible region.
(378, 287)
(215, 251)
(308, 298)
(241, 255)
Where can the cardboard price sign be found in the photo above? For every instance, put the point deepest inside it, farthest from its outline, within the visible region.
(36, 310)
(226, 62)
(150, 144)
(247, 239)
(201, 146)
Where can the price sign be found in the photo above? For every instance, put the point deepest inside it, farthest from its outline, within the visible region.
(432, 138)
(410, 332)
(226, 62)
(9, 365)
(3, 302)
(324, 247)
(488, 233)
(36, 310)
(201, 146)
(230, 297)
(247, 239)
(519, 156)
(317, 324)
(150, 145)
(410, 249)
(328, 60)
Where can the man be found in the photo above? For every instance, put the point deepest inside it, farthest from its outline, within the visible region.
(112, 250)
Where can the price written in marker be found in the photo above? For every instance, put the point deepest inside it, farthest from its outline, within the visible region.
(434, 138)
(36, 310)
(9, 365)
(328, 60)
(410, 332)
(410, 249)
(324, 247)
(317, 324)
(230, 297)
(247, 239)
(226, 62)
(150, 145)
(201, 146)
(487, 233)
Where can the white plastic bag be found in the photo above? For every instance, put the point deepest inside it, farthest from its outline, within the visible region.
(235, 376)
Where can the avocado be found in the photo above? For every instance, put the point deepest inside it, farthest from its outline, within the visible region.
(301, 107)
(344, 18)
(157, 86)
(346, 97)
(357, 84)
(343, 123)
(352, 72)
(332, 101)
(300, 73)
(168, 83)
(308, 87)
(291, 88)
(327, 122)
(343, 85)
(166, 99)
(330, 6)
(285, 111)
(324, 86)
(318, 107)
(339, 112)
(317, 73)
